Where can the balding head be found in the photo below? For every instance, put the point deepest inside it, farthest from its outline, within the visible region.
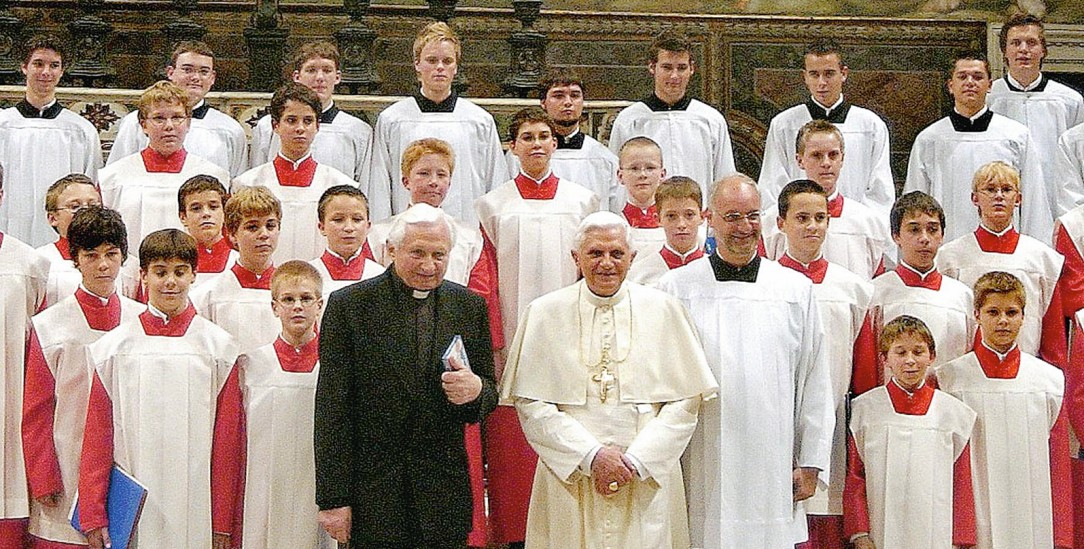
(734, 214)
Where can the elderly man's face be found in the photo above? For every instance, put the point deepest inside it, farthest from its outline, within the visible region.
(422, 257)
(735, 217)
(604, 259)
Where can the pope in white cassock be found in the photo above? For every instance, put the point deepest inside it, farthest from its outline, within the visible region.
(607, 403)
(763, 448)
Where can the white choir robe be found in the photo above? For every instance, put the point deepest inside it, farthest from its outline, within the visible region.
(216, 137)
(1013, 450)
(650, 413)
(63, 332)
(244, 312)
(469, 129)
(909, 463)
(280, 480)
(345, 144)
(1048, 113)
(146, 200)
(857, 239)
(648, 267)
(944, 161)
(647, 240)
(64, 278)
(1069, 169)
(466, 248)
(695, 141)
(35, 152)
(592, 165)
(948, 311)
(1037, 266)
(866, 175)
(763, 341)
(299, 237)
(340, 278)
(23, 274)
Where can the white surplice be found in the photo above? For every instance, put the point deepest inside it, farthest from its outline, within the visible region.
(345, 144)
(217, 137)
(245, 313)
(947, 312)
(1069, 169)
(370, 270)
(64, 278)
(592, 165)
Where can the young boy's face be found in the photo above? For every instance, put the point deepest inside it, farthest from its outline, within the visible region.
(680, 219)
(296, 128)
(166, 125)
(919, 239)
(806, 224)
(43, 71)
(71, 200)
(100, 268)
(822, 159)
(345, 224)
(534, 145)
(996, 201)
(909, 358)
(437, 66)
(641, 172)
(256, 239)
(1000, 318)
(167, 282)
(428, 180)
(203, 217)
(297, 305)
(319, 75)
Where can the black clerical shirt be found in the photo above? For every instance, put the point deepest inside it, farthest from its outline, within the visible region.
(725, 272)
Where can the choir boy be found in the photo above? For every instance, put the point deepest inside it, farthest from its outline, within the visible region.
(212, 134)
(344, 141)
(279, 387)
(57, 376)
(42, 142)
(1020, 448)
(293, 175)
(857, 237)
(909, 479)
(843, 300)
(436, 110)
(677, 203)
(143, 186)
(165, 406)
(528, 225)
(63, 199)
(915, 287)
(640, 173)
(236, 299)
(997, 246)
(343, 212)
(1069, 168)
(200, 205)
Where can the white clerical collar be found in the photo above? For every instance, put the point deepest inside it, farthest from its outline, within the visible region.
(833, 196)
(538, 181)
(296, 163)
(329, 106)
(828, 110)
(1034, 83)
(995, 233)
(803, 264)
(198, 104)
(981, 112)
(1000, 356)
(599, 301)
(46, 106)
(921, 384)
(345, 260)
(104, 300)
(571, 135)
(156, 312)
(683, 256)
(642, 210)
(921, 274)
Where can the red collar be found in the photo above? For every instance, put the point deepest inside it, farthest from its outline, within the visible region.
(99, 317)
(64, 249)
(301, 360)
(994, 367)
(640, 219)
(156, 163)
(344, 270)
(835, 206)
(530, 189)
(914, 404)
(251, 280)
(911, 278)
(815, 271)
(992, 243)
(290, 177)
(673, 260)
(176, 327)
(367, 252)
(213, 259)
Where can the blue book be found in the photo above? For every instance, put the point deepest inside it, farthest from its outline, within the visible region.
(123, 505)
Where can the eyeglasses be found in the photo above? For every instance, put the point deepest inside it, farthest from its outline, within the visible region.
(291, 301)
(74, 208)
(161, 120)
(1007, 190)
(189, 70)
(735, 217)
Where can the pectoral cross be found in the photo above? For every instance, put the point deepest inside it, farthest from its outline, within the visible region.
(605, 380)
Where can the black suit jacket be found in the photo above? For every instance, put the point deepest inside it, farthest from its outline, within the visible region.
(388, 443)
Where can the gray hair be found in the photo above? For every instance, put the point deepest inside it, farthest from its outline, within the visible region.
(718, 186)
(601, 221)
(419, 214)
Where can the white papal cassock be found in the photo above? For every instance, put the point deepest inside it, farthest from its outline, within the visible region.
(239, 301)
(646, 341)
(469, 129)
(580, 157)
(944, 304)
(212, 135)
(298, 185)
(36, 149)
(947, 154)
(693, 136)
(22, 289)
(143, 188)
(344, 143)
(64, 278)
(763, 340)
(866, 175)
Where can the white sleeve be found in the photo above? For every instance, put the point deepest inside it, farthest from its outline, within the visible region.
(561, 442)
(127, 140)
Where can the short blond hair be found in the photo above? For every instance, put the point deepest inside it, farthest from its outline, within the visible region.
(163, 91)
(814, 127)
(294, 270)
(999, 282)
(251, 202)
(52, 195)
(436, 32)
(905, 325)
(997, 171)
(422, 147)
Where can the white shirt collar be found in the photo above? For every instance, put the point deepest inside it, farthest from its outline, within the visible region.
(296, 163)
(1029, 87)
(1000, 356)
(921, 274)
(329, 107)
(921, 384)
(803, 264)
(828, 109)
(981, 112)
(345, 260)
(104, 300)
(539, 181)
(155, 312)
(683, 256)
(995, 233)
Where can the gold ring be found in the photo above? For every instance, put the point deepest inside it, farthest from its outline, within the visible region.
(614, 486)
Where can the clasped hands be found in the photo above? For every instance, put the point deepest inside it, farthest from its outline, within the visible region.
(460, 384)
(611, 470)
